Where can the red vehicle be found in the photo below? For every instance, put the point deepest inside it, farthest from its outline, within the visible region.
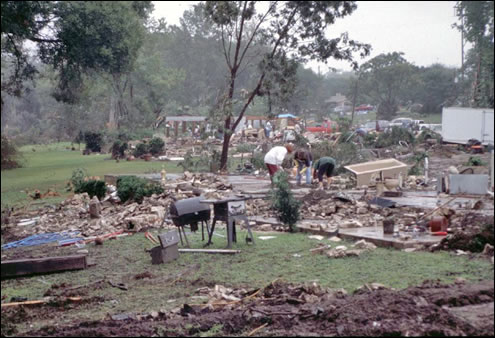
(326, 126)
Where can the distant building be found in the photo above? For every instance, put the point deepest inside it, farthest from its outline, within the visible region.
(339, 104)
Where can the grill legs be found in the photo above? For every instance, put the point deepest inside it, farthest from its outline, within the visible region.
(231, 232)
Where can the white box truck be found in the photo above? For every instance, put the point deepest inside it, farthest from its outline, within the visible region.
(462, 124)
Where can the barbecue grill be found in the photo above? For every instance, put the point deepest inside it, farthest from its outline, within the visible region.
(230, 210)
(190, 212)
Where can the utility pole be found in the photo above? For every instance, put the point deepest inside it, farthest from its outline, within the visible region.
(354, 99)
(459, 13)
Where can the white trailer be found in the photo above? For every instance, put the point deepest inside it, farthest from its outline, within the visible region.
(462, 124)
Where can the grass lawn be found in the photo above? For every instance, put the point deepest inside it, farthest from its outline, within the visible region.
(174, 283)
(51, 166)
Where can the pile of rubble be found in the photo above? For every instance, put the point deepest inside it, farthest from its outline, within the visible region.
(93, 218)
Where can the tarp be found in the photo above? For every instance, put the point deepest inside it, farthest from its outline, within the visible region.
(283, 116)
(43, 239)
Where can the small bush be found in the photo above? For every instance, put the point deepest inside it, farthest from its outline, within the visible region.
(258, 160)
(141, 149)
(93, 188)
(283, 201)
(10, 155)
(475, 161)
(156, 146)
(77, 178)
(393, 137)
(94, 141)
(118, 149)
(132, 188)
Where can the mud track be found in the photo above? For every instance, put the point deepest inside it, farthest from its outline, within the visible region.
(283, 309)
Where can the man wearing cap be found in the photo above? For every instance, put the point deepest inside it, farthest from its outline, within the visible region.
(275, 157)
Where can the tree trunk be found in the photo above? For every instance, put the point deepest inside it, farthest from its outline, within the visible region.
(112, 119)
(225, 150)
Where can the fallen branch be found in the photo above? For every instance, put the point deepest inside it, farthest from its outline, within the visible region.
(35, 302)
(213, 251)
(257, 329)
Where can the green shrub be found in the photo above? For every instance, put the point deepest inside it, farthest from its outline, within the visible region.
(118, 149)
(283, 201)
(258, 160)
(94, 141)
(93, 188)
(141, 149)
(132, 188)
(343, 153)
(393, 137)
(245, 148)
(77, 178)
(10, 155)
(475, 161)
(156, 146)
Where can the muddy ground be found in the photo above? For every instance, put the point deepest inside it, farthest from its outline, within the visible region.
(282, 309)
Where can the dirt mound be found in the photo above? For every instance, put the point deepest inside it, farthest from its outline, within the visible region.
(472, 238)
(292, 310)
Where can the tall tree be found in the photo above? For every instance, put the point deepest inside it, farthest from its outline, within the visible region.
(76, 37)
(386, 78)
(478, 25)
(275, 40)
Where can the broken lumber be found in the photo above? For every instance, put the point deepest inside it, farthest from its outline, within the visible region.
(21, 267)
(213, 251)
(36, 302)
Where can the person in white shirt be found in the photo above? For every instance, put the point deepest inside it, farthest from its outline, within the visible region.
(275, 157)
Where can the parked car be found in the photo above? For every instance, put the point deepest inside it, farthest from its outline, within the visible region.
(403, 122)
(370, 126)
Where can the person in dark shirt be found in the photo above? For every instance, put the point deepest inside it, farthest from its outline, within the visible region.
(304, 161)
(324, 166)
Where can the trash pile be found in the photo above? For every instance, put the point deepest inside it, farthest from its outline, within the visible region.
(92, 218)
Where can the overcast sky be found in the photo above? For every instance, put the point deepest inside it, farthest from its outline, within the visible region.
(421, 29)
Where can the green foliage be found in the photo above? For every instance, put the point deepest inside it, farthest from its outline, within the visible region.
(93, 188)
(118, 149)
(132, 188)
(10, 154)
(343, 153)
(141, 149)
(475, 161)
(156, 146)
(428, 134)
(188, 164)
(393, 137)
(258, 160)
(77, 178)
(301, 141)
(283, 201)
(386, 78)
(418, 166)
(477, 25)
(94, 141)
(245, 148)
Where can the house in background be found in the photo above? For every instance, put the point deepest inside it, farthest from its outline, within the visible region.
(339, 104)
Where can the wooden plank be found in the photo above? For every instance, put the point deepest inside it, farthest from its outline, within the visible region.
(20, 267)
(36, 302)
(213, 251)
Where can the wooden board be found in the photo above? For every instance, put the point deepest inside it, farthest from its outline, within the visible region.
(21, 267)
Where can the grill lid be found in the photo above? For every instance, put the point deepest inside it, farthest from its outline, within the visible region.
(188, 206)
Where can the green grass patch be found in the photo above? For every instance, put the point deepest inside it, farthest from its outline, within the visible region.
(257, 265)
(51, 166)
